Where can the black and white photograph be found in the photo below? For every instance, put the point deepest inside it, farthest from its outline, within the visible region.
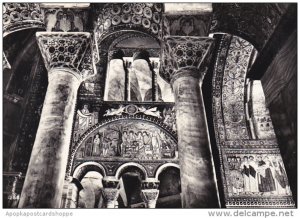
(149, 105)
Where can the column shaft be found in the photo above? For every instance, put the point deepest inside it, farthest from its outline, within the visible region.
(45, 175)
(198, 180)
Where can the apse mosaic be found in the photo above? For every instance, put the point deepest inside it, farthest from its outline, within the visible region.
(132, 139)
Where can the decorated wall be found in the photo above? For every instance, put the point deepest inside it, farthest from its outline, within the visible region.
(119, 133)
(253, 173)
(138, 128)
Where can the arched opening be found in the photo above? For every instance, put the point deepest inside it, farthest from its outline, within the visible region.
(81, 170)
(131, 176)
(133, 74)
(90, 196)
(169, 188)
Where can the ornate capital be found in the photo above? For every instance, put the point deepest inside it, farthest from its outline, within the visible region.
(108, 182)
(150, 184)
(150, 196)
(110, 194)
(20, 16)
(182, 55)
(72, 51)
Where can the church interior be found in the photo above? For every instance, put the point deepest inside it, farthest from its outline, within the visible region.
(149, 105)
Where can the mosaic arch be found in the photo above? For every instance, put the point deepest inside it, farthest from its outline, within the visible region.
(252, 170)
(125, 139)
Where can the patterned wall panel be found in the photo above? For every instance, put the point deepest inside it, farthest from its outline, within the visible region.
(237, 62)
(253, 173)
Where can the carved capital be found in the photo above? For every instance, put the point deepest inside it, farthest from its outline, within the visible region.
(108, 182)
(183, 55)
(110, 196)
(72, 51)
(21, 16)
(150, 184)
(150, 196)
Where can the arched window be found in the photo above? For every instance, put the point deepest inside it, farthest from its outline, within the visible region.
(133, 72)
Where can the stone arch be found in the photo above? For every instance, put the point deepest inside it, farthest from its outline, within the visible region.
(164, 167)
(81, 170)
(125, 166)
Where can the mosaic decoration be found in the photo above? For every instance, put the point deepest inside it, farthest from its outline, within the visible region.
(138, 16)
(169, 116)
(237, 62)
(63, 50)
(256, 178)
(84, 120)
(99, 138)
(128, 139)
(257, 175)
(163, 113)
(184, 53)
(252, 170)
(253, 22)
(132, 110)
(21, 16)
(65, 20)
(186, 25)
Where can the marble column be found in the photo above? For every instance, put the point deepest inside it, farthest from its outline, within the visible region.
(70, 195)
(143, 70)
(63, 54)
(110, 191)
(185, 63)
(150, 192)
(115, 88)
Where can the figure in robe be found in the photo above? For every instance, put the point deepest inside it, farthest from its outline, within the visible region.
(253, 175)
(139, 139)
(88, 149)
(266, 183)
(245, 170)
(156, 143)
(106, 145)
(281, 181)
(124, 142)
(84, 118)
(119, 145)
(237, 182)
(147, 143)
(231, 163)
(131, 137)
(96, 147)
